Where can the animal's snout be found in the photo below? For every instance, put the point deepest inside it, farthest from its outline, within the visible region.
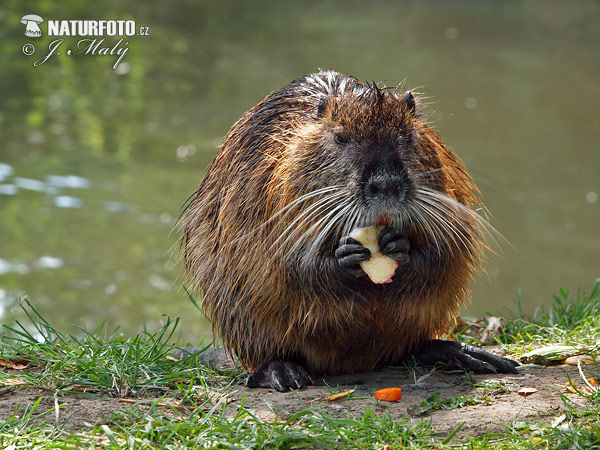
(387, 186)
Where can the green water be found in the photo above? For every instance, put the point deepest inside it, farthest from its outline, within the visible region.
(96, 162)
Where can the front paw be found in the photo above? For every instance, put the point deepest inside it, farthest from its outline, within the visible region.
(394, 243)
(281, 375)
(350, 253)
(465, 357)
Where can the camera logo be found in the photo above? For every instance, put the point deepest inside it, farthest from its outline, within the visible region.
(32, 28)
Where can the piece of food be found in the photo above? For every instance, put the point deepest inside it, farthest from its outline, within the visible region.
(380, 268)
(389, 394)
(525, 392)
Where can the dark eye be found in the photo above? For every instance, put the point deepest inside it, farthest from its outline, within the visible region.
(340, 139)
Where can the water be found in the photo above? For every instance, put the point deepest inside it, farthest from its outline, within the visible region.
(95, 163)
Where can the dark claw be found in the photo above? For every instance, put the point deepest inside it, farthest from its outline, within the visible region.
(394, 243)
(350, 253)
(465, 357)
(281, 375)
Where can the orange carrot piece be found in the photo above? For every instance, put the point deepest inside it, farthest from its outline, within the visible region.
(389, 394)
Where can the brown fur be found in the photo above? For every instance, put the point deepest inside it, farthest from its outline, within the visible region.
(272, 297)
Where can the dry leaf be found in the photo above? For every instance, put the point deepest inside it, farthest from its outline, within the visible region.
(493, 329)
(557, 421)
(176, 404)
(13, 381)
(573, 388)
(484, 329)
(334, 397)
(583, 359)
(526, 391)
(87, 390)
(14, 363)
(214, 396)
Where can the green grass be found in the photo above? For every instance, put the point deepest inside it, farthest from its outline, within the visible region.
(434, 401)
(241, 429)
(97, 364)
(109, 364)
(573, 320)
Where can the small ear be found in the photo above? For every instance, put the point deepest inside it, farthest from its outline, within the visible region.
(409, 99)
(322, 106)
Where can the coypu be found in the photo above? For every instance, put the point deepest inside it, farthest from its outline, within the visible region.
(266, 236)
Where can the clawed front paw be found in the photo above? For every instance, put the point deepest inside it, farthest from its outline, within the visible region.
(281, 375)
(394, 243)
(350, 253)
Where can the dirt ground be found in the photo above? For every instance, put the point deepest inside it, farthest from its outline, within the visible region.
(504, 406)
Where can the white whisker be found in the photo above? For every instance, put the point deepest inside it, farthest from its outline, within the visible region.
(306, 215)
(308, 233)
(439, 213)
(434, 234)
(287, 209)
(462, 222)
(318, 241)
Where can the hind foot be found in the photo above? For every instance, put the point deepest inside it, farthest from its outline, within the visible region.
(281, 375)
(459, 356)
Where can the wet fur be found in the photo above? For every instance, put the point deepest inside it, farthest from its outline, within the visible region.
(260, 246)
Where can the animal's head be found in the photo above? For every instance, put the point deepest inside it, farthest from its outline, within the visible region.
(360, 154)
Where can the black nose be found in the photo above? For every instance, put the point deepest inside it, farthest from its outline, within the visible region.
(385, 186)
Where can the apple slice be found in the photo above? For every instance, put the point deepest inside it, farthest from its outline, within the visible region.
(379, 267)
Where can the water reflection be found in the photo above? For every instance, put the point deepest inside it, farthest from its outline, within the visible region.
(49, 262)
(51, 186)
(29, 184)
(5, 171)
(66, 201)
(44, 262)
(118, 207)
(13, 266)
(69, 181)
(8, 189)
